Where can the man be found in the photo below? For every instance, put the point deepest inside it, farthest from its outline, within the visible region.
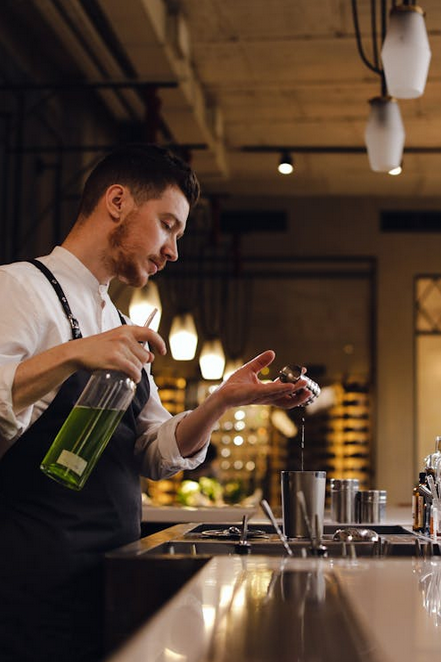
(58, 324)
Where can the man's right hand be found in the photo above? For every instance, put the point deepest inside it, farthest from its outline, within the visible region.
(121, 349)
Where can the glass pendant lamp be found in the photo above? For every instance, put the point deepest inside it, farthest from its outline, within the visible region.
(212, 359)
(183, 337)
(406, 52)
(384, 134)
(142, 303)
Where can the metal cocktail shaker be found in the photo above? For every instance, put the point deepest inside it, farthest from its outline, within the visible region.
(292, 374)
(313, 486)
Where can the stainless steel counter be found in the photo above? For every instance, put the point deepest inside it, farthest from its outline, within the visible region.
(273, 608)
(263, 609)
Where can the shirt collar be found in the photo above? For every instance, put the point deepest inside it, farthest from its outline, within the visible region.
(75, 268)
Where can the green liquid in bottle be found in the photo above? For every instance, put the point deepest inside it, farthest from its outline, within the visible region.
(79, 444)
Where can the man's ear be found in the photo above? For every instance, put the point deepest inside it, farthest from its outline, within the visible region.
(115, 199)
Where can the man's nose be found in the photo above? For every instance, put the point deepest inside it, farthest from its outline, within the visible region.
(171, 250)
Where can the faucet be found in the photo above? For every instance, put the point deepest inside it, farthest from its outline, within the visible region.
(243, 546)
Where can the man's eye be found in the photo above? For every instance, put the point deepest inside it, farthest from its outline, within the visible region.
(167, 225)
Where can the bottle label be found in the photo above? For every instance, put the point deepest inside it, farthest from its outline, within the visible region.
(73, 462)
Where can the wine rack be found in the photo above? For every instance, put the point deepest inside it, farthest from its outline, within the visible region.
(242, 439)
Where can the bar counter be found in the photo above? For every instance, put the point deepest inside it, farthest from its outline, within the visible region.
(279, 609)
(282, 609)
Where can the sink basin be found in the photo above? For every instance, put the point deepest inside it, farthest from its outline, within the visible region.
(210, 540)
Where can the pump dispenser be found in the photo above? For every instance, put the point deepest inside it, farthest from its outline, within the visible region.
(418, 505)
(431, 461)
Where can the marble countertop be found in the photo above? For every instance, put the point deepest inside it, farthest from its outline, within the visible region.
(178, 514)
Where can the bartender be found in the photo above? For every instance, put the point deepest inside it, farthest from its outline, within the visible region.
(57, 325)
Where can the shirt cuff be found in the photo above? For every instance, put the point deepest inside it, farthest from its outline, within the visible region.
(171, 458)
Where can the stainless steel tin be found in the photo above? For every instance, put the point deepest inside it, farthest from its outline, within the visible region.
(371, 506)
(313, 486)
(343, 499)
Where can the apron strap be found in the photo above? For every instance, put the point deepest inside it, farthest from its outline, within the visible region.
(74, 325)
(76, 332)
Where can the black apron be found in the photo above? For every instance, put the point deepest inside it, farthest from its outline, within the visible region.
(52, 539)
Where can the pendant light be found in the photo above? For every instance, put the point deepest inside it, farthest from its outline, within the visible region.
(183, 337)
(142, 303)
(212, 359)
(406, 52)
(384, 134)
(402, 67)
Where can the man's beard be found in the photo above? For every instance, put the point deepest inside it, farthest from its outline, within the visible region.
(123, 262)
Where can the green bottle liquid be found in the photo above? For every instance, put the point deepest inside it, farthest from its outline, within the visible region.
(88, 428)
(79, 444)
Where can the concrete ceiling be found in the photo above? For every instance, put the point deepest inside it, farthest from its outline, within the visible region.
(249, 73)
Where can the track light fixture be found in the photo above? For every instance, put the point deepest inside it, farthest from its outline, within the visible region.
(285, 166)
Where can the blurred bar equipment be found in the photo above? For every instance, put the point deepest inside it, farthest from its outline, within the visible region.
(343, 499)
(371, 506)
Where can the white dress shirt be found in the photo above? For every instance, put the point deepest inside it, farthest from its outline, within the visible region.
(32, 321)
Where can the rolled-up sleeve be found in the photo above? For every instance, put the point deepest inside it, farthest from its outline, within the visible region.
(156, 449)
(19, 331)
(11, 425)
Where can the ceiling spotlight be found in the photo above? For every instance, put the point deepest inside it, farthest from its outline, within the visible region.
(384, 135)
(285, 166)
(406, 52)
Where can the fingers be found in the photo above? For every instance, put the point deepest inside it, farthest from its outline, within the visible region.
(261, 361)
(297, 398)
(135, 350)
(121, 349)
(143, 334)
(284, 395)
(294, 392)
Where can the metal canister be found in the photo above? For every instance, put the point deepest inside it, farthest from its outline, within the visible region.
(343, 499)
(371, 506)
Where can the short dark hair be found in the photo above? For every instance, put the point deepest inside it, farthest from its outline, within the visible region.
(146, 169)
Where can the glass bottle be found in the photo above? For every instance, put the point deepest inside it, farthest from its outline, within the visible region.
(418, 505)
(88, 428)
